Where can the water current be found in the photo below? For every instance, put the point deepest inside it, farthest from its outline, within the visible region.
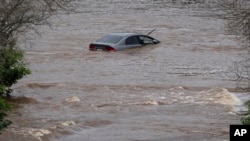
(178, 90)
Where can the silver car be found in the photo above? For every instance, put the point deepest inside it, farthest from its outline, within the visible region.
(121, 41)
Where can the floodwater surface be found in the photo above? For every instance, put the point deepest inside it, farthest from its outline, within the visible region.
(178, 90)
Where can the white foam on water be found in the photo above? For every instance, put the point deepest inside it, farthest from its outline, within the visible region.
(73, 99)
(225, 97)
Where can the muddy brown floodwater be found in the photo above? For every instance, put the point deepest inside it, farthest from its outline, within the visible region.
(177, 90)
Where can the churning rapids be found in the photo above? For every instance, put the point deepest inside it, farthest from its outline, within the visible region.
(178, 90)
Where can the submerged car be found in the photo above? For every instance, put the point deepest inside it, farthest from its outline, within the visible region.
(121, 41)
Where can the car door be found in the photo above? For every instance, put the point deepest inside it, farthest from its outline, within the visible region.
(132, 42)
(147, 40)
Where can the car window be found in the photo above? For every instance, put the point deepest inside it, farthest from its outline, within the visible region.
(132, 40)
(110, 39)
(146, 40)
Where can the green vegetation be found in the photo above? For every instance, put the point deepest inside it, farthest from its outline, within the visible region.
(4, 107)
(12, 68)
(245, 120)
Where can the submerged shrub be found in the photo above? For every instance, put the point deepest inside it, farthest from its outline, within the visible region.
(4, 107)
(12, 68)
(245, 120)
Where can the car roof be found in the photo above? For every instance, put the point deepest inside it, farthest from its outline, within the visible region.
(123, 34)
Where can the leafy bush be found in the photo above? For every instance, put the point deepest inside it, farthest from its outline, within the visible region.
(246, 119)
(12, 68)
(3, 108)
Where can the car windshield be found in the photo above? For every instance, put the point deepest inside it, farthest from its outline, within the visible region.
(113, 39)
